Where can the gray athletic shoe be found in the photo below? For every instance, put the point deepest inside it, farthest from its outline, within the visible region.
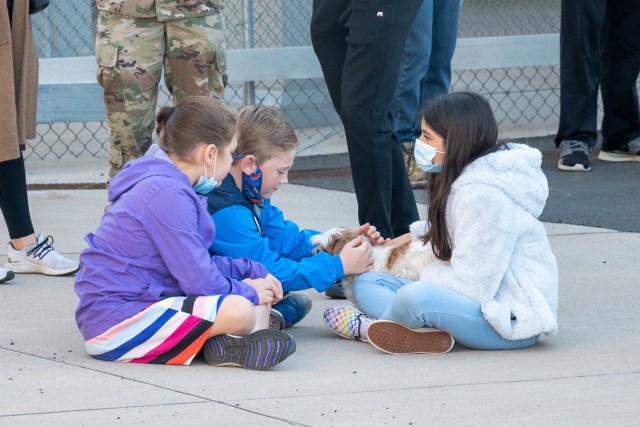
(574, 156)
(629, 152)
(260, 350)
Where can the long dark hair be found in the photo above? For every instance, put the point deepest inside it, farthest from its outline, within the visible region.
(466, 123)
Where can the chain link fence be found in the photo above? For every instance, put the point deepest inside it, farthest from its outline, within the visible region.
(523, 98)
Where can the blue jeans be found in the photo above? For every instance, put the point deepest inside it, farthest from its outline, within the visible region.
(421, 304)
(425, 71)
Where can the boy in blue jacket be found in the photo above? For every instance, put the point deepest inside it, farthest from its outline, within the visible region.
(249, 225)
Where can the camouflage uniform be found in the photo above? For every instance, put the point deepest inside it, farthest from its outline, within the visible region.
(135, 40)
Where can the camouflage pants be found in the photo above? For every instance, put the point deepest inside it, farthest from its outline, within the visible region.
(131, 55)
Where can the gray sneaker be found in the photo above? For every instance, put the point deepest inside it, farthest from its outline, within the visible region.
(629, 152)
(574, 156)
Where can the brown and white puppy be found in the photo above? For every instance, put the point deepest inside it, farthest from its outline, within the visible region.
(406, 260)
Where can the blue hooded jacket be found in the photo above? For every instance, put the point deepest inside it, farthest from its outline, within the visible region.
(151, 245)
(268, 238)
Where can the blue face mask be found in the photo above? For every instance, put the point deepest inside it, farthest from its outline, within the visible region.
(206, 185)
(424, 154)
(251, 184)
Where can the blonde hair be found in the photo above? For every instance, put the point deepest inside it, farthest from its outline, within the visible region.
(195, 120)
(264, 133)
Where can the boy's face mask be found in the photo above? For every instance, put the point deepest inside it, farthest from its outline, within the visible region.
(251, 184)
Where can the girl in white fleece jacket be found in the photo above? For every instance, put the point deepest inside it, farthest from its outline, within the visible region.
(494, 284)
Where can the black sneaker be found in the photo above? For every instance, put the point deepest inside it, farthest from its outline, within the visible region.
(6, 275)
(292, 309)
(629, 152)
(574, 156)
(259, 351)
(336, 291)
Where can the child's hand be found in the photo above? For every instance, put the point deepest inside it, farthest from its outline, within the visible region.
(372, 234)
(269, 289)
(356, 257)
(279, 293)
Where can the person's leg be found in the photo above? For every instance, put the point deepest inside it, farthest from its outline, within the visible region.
(260, 349)
(374, 292)
(328, 37)
(413, 67)
(26, 252)
(14, 202)
(437, 80)
(377, 33)
(195, 57)
(621, 66)
(292, 308)
(129, 52)
(406, 102)
(580, 36)
(419, 304)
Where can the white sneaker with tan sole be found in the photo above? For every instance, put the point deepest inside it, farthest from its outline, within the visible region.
(41, 258)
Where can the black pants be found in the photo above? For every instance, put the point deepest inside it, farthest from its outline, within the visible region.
(13, 193)
(359, 45)
(13, 198)
(599, 47)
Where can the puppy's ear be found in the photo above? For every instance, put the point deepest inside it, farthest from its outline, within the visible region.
(340, 239)
(323, 241)
(320, 242)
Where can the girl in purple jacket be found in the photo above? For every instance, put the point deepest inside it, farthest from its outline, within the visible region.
(149, 290)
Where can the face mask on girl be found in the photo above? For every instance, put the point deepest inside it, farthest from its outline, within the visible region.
(251, 184)
(206, 185)
(424, 154)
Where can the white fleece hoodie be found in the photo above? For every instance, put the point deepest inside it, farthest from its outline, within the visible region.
(501, 256)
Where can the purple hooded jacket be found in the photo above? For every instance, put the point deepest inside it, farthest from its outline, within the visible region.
(150, 245)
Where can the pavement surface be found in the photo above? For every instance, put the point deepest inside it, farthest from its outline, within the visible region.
(587, 374)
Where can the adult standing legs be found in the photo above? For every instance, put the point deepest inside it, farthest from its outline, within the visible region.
(129, 52)
(580, 72)
(621, 66)
(413, 69)
(425, 73)
(375, 34)
(437, 80)
(26, 252)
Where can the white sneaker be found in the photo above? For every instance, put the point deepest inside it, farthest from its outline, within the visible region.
(40, 258)
(6, 275)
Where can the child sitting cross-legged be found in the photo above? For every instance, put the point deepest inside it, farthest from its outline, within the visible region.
(494, 282)
(149, 290)
(249, 225)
